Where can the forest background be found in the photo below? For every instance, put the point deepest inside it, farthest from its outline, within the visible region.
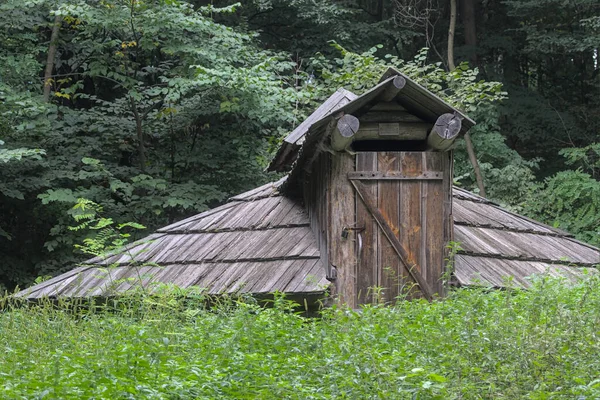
(160, 109)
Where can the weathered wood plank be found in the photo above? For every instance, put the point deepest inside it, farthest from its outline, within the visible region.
(367, 239)
(342, 256)
(448, 204)
(396, 130)
(389, 129)
(414, 96)
(315, 199)
(388, 106)
(395, 175)
(410, 211)
(433, 223)
(305, 277)
(282, 215)
(404, 254)
(399, 115)
(389, 266)
(323, 211)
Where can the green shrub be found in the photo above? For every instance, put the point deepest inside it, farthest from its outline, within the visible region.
(478, 343)
(569, 200)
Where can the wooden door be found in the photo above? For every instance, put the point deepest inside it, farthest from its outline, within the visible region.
(403, 220)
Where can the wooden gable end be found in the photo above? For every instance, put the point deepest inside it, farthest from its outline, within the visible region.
(389, 122)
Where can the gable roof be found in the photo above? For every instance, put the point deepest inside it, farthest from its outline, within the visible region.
(412, 96)
(423, 103)
(287, 152)
(261, 242)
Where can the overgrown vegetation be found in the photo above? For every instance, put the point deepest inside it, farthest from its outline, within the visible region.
(477, 344)
(158, 109)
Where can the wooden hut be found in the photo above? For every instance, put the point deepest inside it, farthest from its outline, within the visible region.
(367, 203)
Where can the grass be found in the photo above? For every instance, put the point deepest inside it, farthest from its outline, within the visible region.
(477, 344)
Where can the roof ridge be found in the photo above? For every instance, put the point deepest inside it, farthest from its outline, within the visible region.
(287, 152)
(248, 195)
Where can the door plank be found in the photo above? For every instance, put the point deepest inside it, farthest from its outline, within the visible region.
(411, 210)
(366, 277)
(368, 200)
(433, 202)
(390, 276)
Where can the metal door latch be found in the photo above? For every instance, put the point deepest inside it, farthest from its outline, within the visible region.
(346, 230)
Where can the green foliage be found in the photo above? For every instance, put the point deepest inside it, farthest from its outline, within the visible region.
(358, 72)
(569, 200)
(157, 112)
(107, 235)
(544, 52)
(587, 158)
(7, 155)
(476, 344)
(309, 24)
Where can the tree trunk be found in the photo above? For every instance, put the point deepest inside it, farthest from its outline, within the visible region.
(380, 10)
(50, 59)
(467, 11)
(475, 163)
(140, 134)
(451, 30)
(451, 66)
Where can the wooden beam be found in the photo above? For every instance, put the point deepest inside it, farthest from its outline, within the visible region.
(397, 246)
(389, 116)
(343, 134)
(393, 130)
(394, 87)
(395, 175)
(444, 132)
(388, 106)
(414, 98)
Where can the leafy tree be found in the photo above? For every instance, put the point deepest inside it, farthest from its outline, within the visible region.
(157, 109)
(157, 112)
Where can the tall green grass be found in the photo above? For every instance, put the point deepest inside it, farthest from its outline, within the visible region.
(477, 344)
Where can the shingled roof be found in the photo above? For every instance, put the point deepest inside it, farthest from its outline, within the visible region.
(260, 242)
(288, 151)
(497, 245)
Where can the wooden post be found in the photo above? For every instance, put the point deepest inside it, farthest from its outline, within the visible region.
(342, 256)
(393, 89)
(344, 132)
(444, 132)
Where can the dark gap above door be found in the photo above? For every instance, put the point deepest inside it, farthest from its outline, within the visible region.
(389, 145)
